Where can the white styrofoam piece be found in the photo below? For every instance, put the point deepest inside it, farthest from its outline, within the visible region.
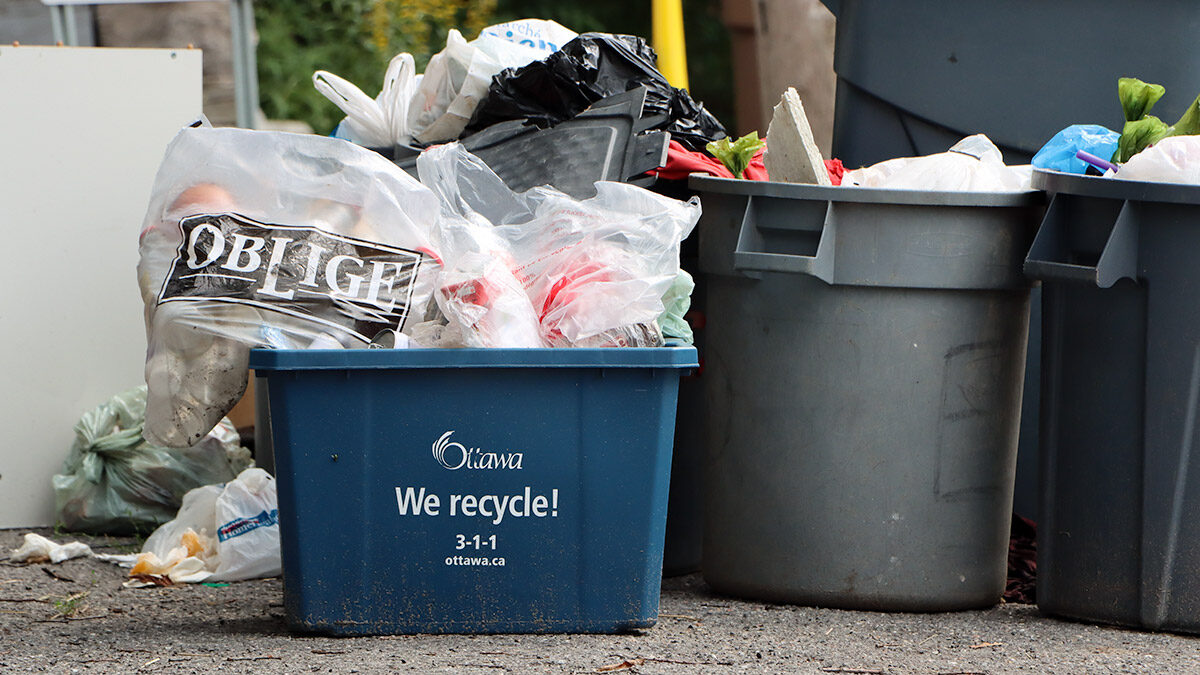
(792, 154)
(83, 131)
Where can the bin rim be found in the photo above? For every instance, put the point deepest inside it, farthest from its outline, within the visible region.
(863, 195)
(673, 357)
(1054, 182)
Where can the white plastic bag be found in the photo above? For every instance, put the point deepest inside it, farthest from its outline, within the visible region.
(974, 164)
(1175, 159)
(257, 238)
(541, 34)
(379, 122)
(247, 528)
(457, 79)
(224, 532)
(593, 271)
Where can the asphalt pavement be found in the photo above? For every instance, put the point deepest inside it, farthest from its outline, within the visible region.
(76, 617)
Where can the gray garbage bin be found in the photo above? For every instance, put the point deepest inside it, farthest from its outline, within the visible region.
(864, 369)
(1119, 536)
(914, 78)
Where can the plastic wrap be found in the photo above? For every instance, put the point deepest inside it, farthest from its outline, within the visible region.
(593, 271)
(974, 164)
(1171, 160)
(270, 239)
(456, 79)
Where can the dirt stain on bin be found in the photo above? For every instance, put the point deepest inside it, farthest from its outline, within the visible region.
(972, 393)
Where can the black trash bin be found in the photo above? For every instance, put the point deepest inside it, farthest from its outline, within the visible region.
(1118, 539)
(914, 78)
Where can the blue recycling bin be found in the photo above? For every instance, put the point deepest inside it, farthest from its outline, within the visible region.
(472, 490)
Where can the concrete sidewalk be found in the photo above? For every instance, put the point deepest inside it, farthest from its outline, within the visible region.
(76, 617)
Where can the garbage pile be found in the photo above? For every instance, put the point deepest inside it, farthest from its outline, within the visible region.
(115, 482)
(227, 531)
(1146, 149)
(528, 227)
(259, 239)
(789, 154)
(529, 98)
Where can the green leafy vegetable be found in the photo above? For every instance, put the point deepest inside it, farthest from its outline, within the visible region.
(1137, 97)
(736, 156)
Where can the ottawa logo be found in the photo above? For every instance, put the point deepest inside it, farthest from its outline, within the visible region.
(455, 456)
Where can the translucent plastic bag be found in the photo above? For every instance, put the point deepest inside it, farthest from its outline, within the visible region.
(457, 79)
(226, 532)
(594, 271)
(270, 239)
(1175, 159)
(974, 164)
(114, 482)
(677, 300)
(481, 292)
(379, 122)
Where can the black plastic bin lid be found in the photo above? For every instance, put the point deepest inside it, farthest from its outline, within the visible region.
(606, 142)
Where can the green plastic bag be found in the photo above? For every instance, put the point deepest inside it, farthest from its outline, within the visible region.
(736, 155)
(1143, 130)
(676, 301)
(114, 482)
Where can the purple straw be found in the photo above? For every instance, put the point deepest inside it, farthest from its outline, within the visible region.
(1095, 161)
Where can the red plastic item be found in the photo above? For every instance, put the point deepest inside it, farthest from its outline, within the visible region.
(681, 162)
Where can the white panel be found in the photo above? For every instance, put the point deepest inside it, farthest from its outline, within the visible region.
(82, 132)
(53, 3)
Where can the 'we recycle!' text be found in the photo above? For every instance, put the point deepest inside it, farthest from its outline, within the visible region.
(419, 502)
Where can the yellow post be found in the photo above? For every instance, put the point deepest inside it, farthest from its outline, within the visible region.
(668, 41)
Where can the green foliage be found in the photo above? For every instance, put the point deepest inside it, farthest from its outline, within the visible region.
(351, 38)
(710, 60)
(70, 605)
(619, 16)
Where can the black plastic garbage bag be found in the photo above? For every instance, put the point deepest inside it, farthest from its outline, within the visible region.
(587, 69)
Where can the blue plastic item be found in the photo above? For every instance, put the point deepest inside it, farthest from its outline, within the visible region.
(1060, 152)
(472, 490)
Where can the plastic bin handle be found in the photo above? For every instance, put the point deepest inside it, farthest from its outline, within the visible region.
(747, 259)
(1118, 259)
